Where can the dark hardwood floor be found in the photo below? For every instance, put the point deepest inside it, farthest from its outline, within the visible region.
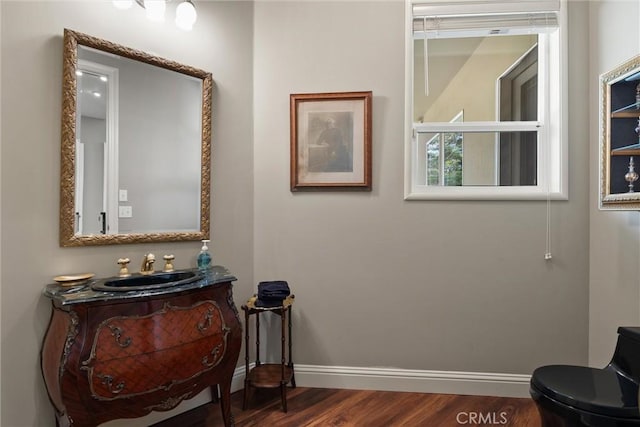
(331, 407)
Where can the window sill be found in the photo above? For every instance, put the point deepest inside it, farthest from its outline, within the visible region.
(482, 193)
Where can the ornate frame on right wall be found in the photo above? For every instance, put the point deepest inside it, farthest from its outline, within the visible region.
(620, 137)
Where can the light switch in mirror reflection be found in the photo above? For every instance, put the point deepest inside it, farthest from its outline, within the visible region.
(133, 120)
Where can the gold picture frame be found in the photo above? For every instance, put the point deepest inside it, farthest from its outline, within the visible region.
(331, 141)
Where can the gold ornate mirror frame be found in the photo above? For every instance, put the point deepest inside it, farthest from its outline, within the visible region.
(68, 155)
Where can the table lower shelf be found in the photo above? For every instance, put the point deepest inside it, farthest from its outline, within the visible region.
(269, 375)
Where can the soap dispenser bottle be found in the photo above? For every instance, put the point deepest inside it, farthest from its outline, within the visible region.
(204, 257)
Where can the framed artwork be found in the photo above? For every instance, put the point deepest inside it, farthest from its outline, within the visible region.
(331, 141)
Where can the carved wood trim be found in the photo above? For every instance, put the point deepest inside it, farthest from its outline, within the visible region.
(68, 137)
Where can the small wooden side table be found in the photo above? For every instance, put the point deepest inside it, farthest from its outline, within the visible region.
(269, 375)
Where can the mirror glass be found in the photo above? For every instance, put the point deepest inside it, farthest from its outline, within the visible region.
(135, 146)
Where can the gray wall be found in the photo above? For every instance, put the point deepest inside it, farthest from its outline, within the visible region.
(31, 75)
(379, 281)
(614, 288)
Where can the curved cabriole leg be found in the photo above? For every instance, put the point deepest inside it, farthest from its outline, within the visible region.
(225, 402)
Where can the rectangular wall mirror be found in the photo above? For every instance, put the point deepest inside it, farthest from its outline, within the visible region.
(620, 139)
(136, 144)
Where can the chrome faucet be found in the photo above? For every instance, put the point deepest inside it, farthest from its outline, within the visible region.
(147, 264)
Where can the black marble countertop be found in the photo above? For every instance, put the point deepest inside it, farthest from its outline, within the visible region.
(84, 292)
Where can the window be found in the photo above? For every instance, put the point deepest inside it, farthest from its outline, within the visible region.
(444, 156)
(496, 68)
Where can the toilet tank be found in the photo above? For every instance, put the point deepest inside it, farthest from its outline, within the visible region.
(626, 358)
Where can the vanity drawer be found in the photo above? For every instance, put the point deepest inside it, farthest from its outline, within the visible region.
(133, 355)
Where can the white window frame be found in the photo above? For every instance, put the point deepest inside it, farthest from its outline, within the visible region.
(552, 162)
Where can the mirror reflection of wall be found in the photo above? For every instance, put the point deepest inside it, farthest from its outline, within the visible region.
(93, 140)
(91, 127)
(156, 140)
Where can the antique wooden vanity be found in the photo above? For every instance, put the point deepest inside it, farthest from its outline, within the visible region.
(121, 348)
(122, 354)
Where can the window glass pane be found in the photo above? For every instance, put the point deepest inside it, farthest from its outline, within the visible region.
(518, 160)
(490, 158)
(491, 78)
(453, 159)
(433, 160)
(444, 159)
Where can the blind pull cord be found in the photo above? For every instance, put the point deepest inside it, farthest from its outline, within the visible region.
(426, 57)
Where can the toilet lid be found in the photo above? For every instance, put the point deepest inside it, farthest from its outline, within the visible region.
(601, 391)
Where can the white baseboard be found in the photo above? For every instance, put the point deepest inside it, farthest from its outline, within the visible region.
(420, 381)
(237, 383)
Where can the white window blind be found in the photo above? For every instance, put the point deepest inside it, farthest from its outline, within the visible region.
(476, 7)
(451, 19)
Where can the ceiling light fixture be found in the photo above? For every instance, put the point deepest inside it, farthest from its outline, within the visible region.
(186, 15)
(155, 10)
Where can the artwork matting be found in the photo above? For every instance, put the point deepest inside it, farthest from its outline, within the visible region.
(331, 141)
